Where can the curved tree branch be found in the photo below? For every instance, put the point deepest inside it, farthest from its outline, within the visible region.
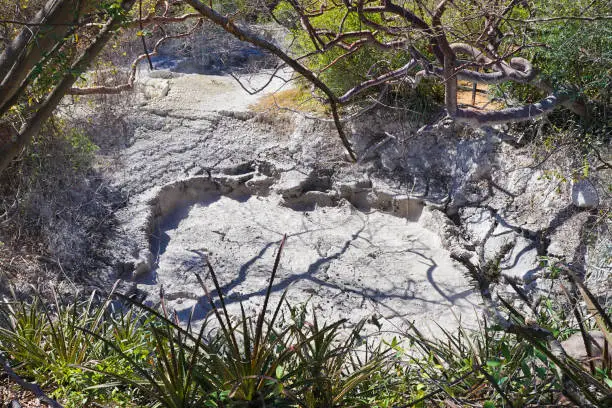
(245, 34)
(398, 73)
(478, 118)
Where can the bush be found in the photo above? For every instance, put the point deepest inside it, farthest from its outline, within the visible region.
(51, 200)
(86, 351)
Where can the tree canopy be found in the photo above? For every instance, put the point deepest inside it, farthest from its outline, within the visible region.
(546, 53)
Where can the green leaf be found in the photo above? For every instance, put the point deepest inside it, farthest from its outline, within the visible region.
(280, 371)
(494, 363)
(488, 404)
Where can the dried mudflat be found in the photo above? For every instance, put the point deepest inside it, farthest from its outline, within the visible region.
(339, 261)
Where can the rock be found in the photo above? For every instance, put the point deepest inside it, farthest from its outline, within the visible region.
(584, 194)
(355, 191)
(522, 261)
(575, 348)
(162, 74)
(473, 163)
(450, 235)
(143, 265)
(477, 221)
(371, 262)
(364, 254)
(259, 184)
(407, 207)
(291, 183)
(153, 87)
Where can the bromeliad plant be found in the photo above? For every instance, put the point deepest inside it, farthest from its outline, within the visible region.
(252, 366)
(250, 361)
(135, 355)
(332, 374)
(50, 341)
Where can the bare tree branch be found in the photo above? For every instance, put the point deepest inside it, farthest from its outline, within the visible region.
(117, 89)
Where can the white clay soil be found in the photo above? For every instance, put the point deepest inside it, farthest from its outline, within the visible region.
(345, 263)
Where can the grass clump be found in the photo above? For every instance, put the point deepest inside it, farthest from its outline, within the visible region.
(293, 99)
(91, 350)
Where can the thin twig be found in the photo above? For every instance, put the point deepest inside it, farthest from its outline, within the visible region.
(141, 33)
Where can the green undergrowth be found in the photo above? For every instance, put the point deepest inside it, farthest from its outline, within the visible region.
(116, 351)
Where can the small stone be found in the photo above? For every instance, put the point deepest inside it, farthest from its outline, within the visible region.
(575, 348)
(584, 194)
(142, 266)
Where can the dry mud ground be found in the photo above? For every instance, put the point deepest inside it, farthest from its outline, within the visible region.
(208, 179)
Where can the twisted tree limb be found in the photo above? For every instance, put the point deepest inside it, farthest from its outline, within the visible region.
(477, 118)
(447, 66)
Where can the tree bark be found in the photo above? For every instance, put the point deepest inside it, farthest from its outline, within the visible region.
(10, 150)
(55, 21)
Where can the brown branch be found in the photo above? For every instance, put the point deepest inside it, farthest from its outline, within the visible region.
(155, 19)
(365, 37)
(532, 333)
(448, 59)
(305, 21)
(33, 388)
(398, 73)
(117, 89)
(338, 58)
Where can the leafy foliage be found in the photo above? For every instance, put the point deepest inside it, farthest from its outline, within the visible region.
(89, 351)
(337, 68)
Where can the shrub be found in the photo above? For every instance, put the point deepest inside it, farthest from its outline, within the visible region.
(87, 351)
(51, 197)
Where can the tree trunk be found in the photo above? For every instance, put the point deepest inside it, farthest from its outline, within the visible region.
(53, 23)
(10, 150)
